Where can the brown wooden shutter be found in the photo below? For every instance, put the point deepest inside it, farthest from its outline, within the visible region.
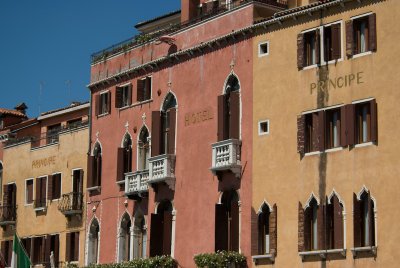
(91, 172)
(13, 194)
(349, 38)
(120, 164)
(221, 228)
(300, 231)
(337, 223)
(343, 129)
(68, 247)
(129, 94)
(97, 105)
(43, 190)
(118, 97)
(109, 102)
(76, 246)
(372, 44)
(374, 120)
(37, 190)
(321, 226)
(172, 129)
(5, 195)
(307, 228)
(321, 130)
(222, 111)
(350, 125)
(371, 221)
(98, 171)
(56, 249)
(27, 243)
(336, 41)
(167, 233)
(234, 235)
(315, 132)
(234, 115)
(29, 187)
(47, 250)
(300, 51)
(317, 46)
(58, 189)
(155, 133)
(10, 250)
(80, 186)
(156, 230)
(356, 221)
(273, 230)
(43, 249)
(50, 182)
(148, 88)
(4, 254)
(140, 90)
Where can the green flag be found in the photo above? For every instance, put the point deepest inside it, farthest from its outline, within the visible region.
(19, 257)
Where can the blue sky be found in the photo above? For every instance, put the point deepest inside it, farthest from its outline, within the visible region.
(49, 43)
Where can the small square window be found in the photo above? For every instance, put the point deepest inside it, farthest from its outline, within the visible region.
(29, 191)
(263, 49)
(263, 127)
(104, 105)
(55, 181)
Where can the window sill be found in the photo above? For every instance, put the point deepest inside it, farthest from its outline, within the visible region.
(102, 115)
(369, 250)
(40, 209)
(335, 149)
(94, 188)
(141, 102)
(322, 253)
(313, 153)
(363, 144)
(361, 55)
(120, 183)
(268, 257)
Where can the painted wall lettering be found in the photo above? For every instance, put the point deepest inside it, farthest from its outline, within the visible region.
(198, 117)
(338, 82)
(44, 162)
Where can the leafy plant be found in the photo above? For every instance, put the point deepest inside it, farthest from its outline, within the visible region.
(155, 262)
(220, 259)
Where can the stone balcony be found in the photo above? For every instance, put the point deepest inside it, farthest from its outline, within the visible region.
(71, 204)
(162, 169)
(226, 156)
(136, 183)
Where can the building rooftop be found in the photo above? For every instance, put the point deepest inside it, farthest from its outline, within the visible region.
(72, 105)
(12, 112)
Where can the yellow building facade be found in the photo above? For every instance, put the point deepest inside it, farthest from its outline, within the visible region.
(44, 179)
(325, 151)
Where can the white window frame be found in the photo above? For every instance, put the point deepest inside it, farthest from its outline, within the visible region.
(72, 177)
(33, 193)
(151, 88)
(45, 196)
(367, 52)
(260, 132)
(101, 113)
(260, 53)
(322, 47)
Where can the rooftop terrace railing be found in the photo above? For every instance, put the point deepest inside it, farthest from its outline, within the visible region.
(205, 14)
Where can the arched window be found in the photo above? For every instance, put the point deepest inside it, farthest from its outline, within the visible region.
(227, 222)
(364, 220)
(334, 223)
(124, 238)
(229, 110)
(94, 172)
(311, 226)
(139, 236)
(163, 127)
(267, 230)
(124, 158)
(143, 149)
(93, 242)
(161, 230)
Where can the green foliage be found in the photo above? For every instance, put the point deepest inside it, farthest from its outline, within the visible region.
(220, 259)
(155, 262)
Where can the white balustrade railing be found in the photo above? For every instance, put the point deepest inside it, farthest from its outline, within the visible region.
(162, 169)
(136, 182)
(226, 156)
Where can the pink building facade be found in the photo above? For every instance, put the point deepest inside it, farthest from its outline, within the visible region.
(169, 165)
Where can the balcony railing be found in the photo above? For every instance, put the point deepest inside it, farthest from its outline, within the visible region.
(8, 215)
(143, 38)
(136, 182)
(162, 169)
(71, 203)
(226, 156)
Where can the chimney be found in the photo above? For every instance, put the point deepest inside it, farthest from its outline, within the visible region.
(21, 108)
(189, 9)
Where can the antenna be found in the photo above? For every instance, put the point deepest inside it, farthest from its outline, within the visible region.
(41, 85)
(68, 84)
